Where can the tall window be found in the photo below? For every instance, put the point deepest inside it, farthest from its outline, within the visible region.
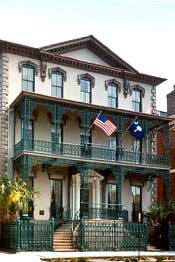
(57, 84)
(30, 127)
(112, 195)
(112, 95)
(28, 78)
(112, 142)
(85, 90)
(136, 202)
(136, 100)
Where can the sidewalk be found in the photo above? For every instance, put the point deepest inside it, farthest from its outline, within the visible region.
(35, 256)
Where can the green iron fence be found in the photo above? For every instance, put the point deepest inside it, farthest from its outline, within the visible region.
(103, 236)
(27, 235)
(171, 236)
(91, 151)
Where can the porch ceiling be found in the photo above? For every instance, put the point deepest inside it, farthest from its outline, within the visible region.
(76, 104)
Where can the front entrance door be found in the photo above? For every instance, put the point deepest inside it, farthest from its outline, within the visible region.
(56, 198)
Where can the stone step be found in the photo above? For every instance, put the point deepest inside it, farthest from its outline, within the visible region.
(62, 247)
(63, 229)
(63, 242)
(63, 238)
(65, 250)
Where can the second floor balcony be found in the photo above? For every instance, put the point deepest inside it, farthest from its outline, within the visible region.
(91, 151)
(59, 128)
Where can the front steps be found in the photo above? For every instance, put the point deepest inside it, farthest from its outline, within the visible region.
(63, 238)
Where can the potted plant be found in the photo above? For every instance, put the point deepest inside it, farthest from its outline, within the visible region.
(15, 196)
(159, 217)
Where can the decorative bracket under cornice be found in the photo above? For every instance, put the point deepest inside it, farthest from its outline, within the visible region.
(88, 76)
(113, 81)
(126, 88)
(29, 63)
(57, 70)
(43, 70)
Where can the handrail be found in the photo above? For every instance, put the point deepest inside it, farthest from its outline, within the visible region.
(74, 227)
(62, 217)
(103, 204)
(92, 151)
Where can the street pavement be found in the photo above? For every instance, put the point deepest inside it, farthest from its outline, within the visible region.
(37, 256)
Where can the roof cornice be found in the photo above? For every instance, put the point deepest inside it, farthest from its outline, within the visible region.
(36, 53)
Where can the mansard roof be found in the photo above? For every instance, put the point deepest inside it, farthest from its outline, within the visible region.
(47, 56)
(95, 46)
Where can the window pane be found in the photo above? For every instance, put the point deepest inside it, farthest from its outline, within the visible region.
(24, 73)
(112, 102)
(30, 86)
(112, 142)
(85, 89)
(58, 92)
(136, 100)
(112, 194)
(53, 90)
(24, 85)
(59, 80)
(137, 96)
(28, 78)
(137, 107)
(112, 91)
(54, 79)
(57, 85)
(30, 74)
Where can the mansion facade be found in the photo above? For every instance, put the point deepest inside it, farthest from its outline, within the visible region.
(49, 99)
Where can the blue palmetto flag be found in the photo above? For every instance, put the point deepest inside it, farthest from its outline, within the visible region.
(136, 130)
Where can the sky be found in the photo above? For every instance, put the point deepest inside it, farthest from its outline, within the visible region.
(141, 32)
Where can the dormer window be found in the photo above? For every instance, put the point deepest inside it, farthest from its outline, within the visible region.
(28, 78)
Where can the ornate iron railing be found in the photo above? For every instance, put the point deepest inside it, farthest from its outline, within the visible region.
(91, 151)
(76, 230)
(62, 217)
(170, 227)
(103, 211)
(103, 236)
(28, 235)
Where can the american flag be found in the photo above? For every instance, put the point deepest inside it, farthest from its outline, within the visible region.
(106, 125)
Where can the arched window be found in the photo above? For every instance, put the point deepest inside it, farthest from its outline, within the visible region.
(58, 76)
(112, 95)
(136, 100)
(57, 84)
(113, 87)
(29, 71)
(86, 83)
(85, 90)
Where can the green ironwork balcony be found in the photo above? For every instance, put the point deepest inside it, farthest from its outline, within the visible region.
(91, 151)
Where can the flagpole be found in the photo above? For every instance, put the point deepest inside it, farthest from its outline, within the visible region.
(127, 129)
(93, 122)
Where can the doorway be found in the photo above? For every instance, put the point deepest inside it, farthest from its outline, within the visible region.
(56, 206)
(136, 203)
